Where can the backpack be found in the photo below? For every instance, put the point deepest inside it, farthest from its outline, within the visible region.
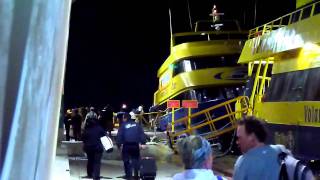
(292, 168)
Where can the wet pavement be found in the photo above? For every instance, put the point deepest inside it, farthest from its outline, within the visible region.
(168, 163)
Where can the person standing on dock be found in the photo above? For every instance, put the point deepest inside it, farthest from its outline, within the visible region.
(93, 147)
(130, 139)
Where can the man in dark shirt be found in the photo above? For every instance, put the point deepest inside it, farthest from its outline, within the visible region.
(67, 123)
(129, 138)
(106, 119)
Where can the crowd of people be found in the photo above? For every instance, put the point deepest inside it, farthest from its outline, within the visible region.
(76, 120)
(89, 126)
(259, 160)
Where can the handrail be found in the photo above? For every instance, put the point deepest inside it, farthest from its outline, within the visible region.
(260, 82)
(279, 22)
(209, 32)
(150, 123)
(209, 120)
(211, 108)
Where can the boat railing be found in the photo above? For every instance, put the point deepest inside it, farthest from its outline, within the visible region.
(293, 17)
(209, 118)
(188, 37)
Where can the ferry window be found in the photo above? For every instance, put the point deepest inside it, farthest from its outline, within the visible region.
(204, 63)
(317, 9)
(229, 93)
(208, 94)
(295, 17)
(187, 95)
(219, 36)
(190, 38)
(216, 61)
(218, 93)
(306, 12)
(295, 92)
(177, 68)
(295, 86)
(164, 80)
(285, 20)
(187, 65)
(312, 86)
(208, 37)
(182, 66)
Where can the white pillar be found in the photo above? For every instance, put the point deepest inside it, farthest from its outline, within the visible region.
(33, 43)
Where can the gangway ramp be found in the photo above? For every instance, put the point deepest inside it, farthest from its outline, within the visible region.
(211, 122)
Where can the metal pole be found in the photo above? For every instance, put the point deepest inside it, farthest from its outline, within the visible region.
(255, 13)
(189, 119)
(170, 21)
(172, 120)
(171, 37)
(189, 13)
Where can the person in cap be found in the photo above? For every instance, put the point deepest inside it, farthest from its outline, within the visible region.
(196, 155)
(130, 138)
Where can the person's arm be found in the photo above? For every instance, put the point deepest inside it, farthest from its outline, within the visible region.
(120, 137)
(142, 135)
(84, 137)
(102, 132)
(142, 144)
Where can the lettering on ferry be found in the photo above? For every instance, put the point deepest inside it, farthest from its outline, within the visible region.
(311, 114)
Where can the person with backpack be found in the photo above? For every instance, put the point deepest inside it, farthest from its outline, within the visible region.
(259, 160)
(90, 115)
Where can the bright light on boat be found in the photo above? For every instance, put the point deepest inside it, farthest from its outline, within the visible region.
(309, 47)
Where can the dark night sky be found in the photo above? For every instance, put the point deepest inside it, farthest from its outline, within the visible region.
(116, 47)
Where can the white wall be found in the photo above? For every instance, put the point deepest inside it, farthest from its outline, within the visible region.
(33, 43)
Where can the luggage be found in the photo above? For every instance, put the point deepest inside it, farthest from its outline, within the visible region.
(148, 168)
(107, 143)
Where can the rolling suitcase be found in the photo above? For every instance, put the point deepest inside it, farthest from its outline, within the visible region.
(148, 168)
